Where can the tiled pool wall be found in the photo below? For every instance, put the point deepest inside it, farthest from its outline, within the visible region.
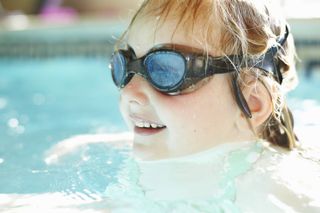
(96, 38)
(83, 39)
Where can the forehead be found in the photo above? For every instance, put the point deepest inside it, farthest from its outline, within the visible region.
(147, 32)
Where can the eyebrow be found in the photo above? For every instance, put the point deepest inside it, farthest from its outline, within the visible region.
(172, 46)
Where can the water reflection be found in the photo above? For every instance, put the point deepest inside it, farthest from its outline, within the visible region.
(3, 103)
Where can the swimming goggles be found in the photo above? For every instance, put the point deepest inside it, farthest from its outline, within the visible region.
(172, 68)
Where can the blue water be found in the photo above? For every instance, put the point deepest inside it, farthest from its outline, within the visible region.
(45, 101)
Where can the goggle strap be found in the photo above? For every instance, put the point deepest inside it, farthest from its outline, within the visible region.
(224, 65)
(273, 51)
(283, 39)
(241, 101)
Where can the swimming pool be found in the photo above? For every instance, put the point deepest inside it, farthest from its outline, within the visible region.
(44, 101)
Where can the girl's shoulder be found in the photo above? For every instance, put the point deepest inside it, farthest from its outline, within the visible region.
(282, 181)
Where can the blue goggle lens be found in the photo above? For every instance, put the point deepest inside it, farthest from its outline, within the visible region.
(118, 64)
(166, 70)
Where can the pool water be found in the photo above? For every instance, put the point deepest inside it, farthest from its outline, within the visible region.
(44, 102)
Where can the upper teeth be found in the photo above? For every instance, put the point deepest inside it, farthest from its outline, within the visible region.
(147, 124)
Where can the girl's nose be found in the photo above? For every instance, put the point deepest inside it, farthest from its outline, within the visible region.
(137, 91)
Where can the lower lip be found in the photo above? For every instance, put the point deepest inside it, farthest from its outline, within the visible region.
(146, 131)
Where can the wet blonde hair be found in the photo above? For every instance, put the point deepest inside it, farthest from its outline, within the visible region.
(246, 27)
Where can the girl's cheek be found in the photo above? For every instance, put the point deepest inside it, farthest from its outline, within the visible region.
(180, 111)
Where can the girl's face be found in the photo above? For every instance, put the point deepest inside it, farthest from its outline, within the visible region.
(193, 121)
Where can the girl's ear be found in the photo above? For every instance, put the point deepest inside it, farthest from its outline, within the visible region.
(259, 101)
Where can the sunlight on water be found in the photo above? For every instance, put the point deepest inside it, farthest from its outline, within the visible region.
(79, 169)
(71, 144)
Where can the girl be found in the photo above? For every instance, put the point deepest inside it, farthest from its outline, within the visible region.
(202, 85)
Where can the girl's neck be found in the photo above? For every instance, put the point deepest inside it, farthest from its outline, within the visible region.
(208, 174)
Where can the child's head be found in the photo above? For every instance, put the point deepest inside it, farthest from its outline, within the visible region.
(212, 110)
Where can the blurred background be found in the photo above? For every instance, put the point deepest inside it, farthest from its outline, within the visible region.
(55, 84)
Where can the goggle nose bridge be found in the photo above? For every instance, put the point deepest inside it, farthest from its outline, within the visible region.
(136, 66)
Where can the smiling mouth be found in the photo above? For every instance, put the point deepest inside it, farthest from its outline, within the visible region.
(147, 131)
(147, 128)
